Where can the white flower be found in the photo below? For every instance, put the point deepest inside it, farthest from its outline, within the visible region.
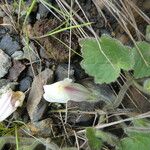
(9, 101)
(66, 90)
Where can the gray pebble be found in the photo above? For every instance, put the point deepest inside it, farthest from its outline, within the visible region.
(5, 63)
(42, 12)
(8, 45)
(17, 55)
(25, 84)
(43, 53)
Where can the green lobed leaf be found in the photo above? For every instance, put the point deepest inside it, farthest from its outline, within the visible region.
(138, 136)
(94, 142)
(107, 137)
(106, 62)
(141, 69)
(136, 141)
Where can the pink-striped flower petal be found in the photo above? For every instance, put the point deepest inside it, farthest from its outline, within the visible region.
(9, 101)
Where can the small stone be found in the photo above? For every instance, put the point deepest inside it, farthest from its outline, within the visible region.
(17, 55)
(8, 45)
(42, 12)
(62, 72)
(5, 63)
(30, 52)
(43, 53)
(15, 70)
(25, 84)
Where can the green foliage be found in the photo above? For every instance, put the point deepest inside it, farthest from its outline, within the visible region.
(96, 138)
(107, 137)
(136, 141)
(138, 136)
(104, 58)
(29, 10)
(141, 69)
(6, 131)
(141, 123)
(94, 142)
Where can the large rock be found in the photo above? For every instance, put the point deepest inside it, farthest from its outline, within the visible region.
(5, 63)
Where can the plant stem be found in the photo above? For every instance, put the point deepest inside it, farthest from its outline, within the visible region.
(16, 134)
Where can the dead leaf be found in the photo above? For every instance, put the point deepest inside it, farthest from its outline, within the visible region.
(15, 70)
(36, 106)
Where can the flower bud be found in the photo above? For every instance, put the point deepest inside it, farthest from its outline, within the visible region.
(66, 90)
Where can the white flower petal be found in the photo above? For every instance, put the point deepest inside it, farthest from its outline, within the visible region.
(9, 101)
(54, 93)
(7, 112)
(65, 90)
(6, 98)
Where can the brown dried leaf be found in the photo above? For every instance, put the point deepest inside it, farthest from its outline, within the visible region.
(15, 70)
(35, 105)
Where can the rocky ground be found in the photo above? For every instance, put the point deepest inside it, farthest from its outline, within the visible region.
(28, 63)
